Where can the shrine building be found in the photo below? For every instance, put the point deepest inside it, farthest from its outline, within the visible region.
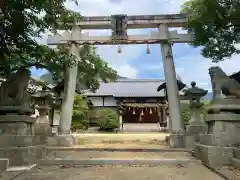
(141, 100)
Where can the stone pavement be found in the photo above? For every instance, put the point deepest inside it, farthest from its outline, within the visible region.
(116, 172)
(78, 155)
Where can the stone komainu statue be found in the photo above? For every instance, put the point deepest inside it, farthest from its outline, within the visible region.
(223, 83)
(14, 97)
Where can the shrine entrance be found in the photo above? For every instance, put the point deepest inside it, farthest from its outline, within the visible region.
(140, 115)
(119, 24)
(145, 113)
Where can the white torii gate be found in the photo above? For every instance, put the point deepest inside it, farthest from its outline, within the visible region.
(163, 37)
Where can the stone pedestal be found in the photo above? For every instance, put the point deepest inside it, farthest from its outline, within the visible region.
(216, 148)
(194, 130)
(16, 125)
(42, 127)
(196, 125)
(18, 141)
(176, 140)
(183, 140)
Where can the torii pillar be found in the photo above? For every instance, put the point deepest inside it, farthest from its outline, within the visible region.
(64, 137)
(171, 83)
(69, 88)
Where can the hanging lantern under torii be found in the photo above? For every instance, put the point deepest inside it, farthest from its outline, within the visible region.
(148, 49)
(119, 49)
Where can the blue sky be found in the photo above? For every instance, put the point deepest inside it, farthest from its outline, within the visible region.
(133, 62)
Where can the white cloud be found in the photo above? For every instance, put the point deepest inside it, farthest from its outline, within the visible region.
(126, 71)
(195, 68)
(237, 46)
(129, 7)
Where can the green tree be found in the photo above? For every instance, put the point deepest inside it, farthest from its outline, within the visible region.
(80, 119)
(185, 112)
(108, 119)
(215, 25)
(22, 22)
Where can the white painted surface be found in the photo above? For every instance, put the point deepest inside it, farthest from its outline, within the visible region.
(120, 122)
(97, 101)
(20, 168)
(110, 101)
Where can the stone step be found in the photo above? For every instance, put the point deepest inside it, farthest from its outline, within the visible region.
(19, 156)
(82, 162)
(20, 168)
(3, 164)
(118, 149)
(116, 157)
(236, 153)
(116, 172)
(235, 162)
(226, 172)
(8, 141)
(213, 155)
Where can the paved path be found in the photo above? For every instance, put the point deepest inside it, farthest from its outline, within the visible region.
(78, 155)
(163, 172)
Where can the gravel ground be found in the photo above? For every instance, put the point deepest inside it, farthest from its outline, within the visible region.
(73, 155)
(164, 172)
(139, 140)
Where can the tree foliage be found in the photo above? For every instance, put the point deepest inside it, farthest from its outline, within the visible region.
(81, 108)
(22, 22)
(215, 25)
(108, 119)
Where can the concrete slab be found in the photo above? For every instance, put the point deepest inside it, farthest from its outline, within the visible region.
(214, 155)
(84, 155)
(118, 149)
(227, 172)
(119, 172)
(235, 162)
(20, 168)
(118, 162)
(236, 153)
(3, 164)
(20, 156)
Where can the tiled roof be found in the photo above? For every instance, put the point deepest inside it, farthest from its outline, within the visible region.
(129, 88)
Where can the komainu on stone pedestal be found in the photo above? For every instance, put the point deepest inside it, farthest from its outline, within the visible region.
(14, 97)
(223, 119)
(15, 105)
(18, 141)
